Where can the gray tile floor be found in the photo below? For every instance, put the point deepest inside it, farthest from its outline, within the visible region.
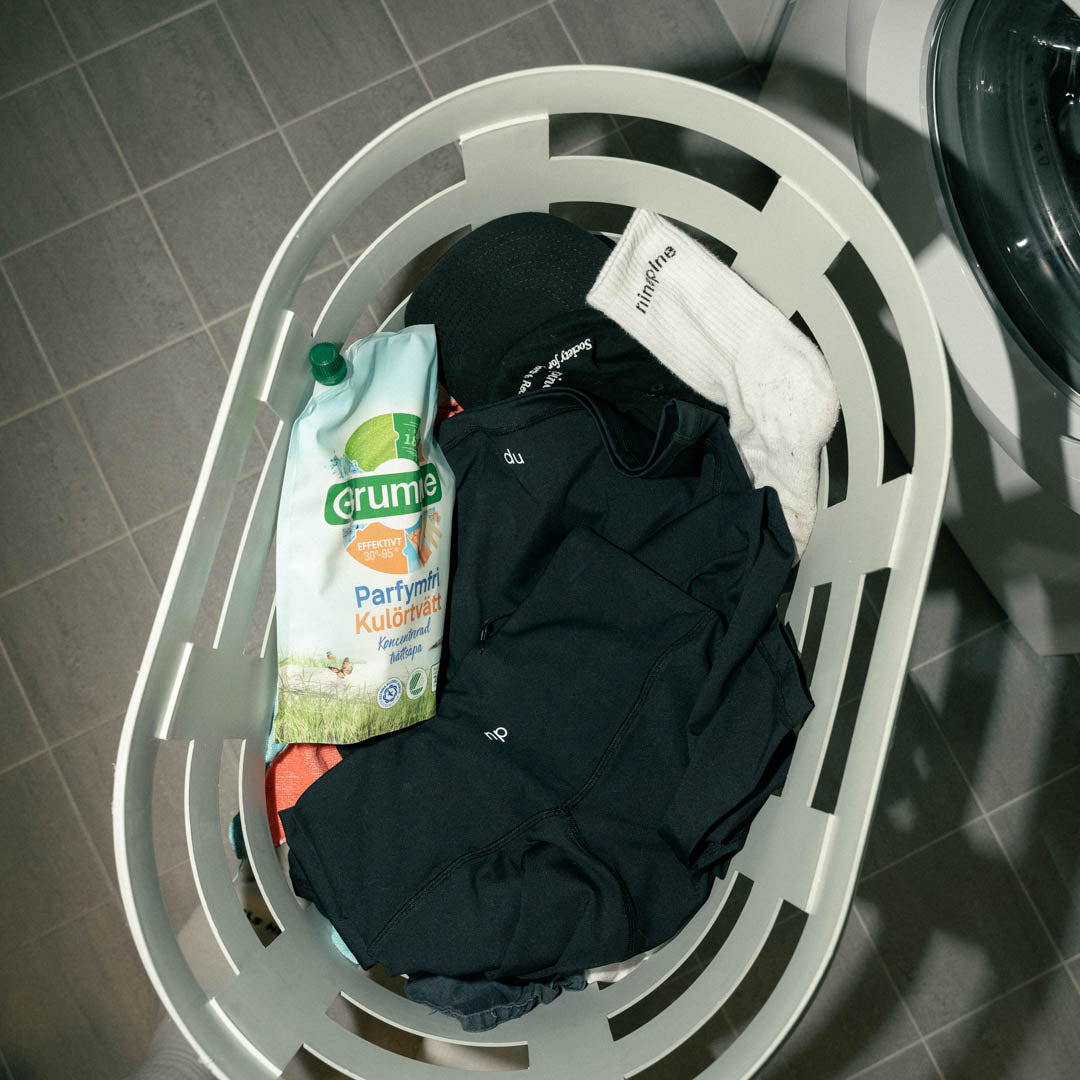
(154, 155)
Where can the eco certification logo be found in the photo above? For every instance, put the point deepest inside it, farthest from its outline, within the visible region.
(388, 693)
(417, 683)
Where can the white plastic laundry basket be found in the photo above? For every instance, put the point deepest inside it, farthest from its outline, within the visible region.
(805, 846)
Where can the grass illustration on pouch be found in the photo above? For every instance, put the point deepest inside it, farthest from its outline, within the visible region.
(320, 700)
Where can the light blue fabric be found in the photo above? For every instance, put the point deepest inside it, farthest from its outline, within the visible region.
(273, 748)
(236, 838)
(271, 751)
(341, 947)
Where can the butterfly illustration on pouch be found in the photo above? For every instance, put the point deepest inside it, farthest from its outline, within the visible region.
(343, 670)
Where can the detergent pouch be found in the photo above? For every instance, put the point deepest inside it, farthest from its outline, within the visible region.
(363, 545)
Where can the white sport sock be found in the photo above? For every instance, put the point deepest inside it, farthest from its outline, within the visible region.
(727, 342)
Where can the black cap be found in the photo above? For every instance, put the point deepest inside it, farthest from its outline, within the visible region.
(510, 314)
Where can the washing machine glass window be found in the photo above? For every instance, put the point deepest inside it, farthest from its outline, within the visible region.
(1004, 104)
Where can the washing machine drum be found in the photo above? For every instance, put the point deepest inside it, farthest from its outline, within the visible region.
(1005, 116)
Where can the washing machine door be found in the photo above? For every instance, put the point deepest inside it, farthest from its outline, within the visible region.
(1005, 126)
(969, 128)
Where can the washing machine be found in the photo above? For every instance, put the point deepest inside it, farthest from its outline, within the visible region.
(963, 117)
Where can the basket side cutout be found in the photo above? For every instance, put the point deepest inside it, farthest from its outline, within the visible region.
(709, 1042)
(810, 638)
(771, 962)
(827, 789)
(427, 176)
(653, 1003)
(851, 278)
(698, 154)
(372, 1029)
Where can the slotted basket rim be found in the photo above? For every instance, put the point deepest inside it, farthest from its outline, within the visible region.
(487, 119)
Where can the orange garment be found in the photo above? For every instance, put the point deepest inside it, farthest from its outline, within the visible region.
(290, 774)
(446, 407)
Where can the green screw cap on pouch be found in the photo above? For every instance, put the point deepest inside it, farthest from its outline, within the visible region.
(327, 364)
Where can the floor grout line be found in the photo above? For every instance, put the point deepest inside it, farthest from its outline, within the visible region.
(128, 38)
(78, 427)
(346, 96)
(896, 989)
(408, 50)
(292, 155)
(65, 739)
(94, 53)
(245, 474)
(219, 319)
(149, 189)
(275, 121)
(981, 815)
(871, 874)
(1034, 790)
(157, 519)
(114, 890)
(616, 128)
(51, 235)
(68, 920)
(140, 193)
(932, 713)
(26, 701)
(103, 375)
(994, 1000)
(170, 255)
(43, 404)
(37, 81)
(57, 567)
(1027, 893)
(475, 37)
(984, 632)
(620, 133)
(94, 460)
(868, 1069)
(142, 190)
(92, 455)
(566, 31)
(11, 766)
(731, 33)
(55, 744)
(1073, 973)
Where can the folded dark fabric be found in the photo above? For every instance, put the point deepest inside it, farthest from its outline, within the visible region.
(481, 1004)
(537, 466)
(620, 700)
